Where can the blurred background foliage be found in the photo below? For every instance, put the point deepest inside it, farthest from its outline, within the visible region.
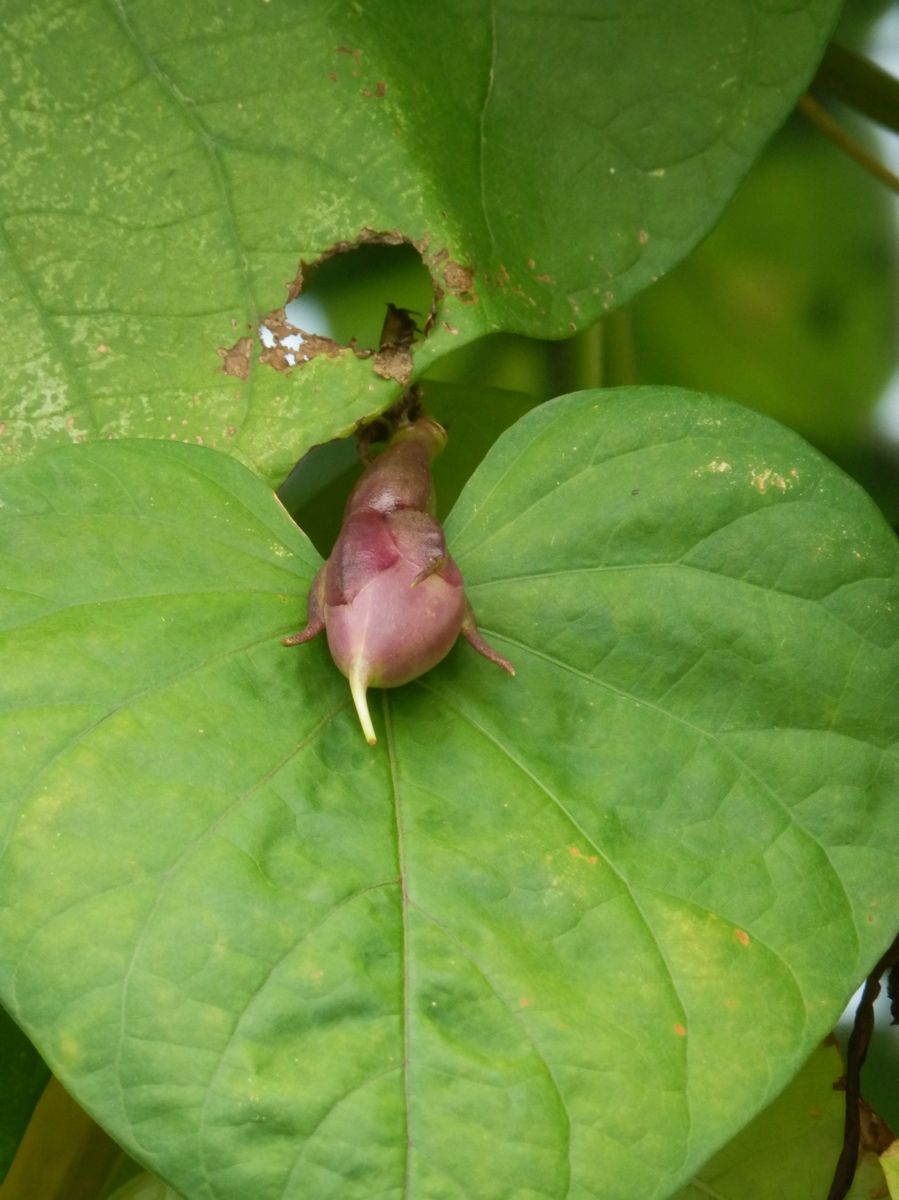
(790, 306)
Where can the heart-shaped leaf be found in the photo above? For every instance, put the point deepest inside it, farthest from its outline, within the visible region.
(167, 168)
(557, 935)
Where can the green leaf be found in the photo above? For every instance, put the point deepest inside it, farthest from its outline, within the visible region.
(556, 935)
(167, 168)
(869, 1179)
(144, 1187)
(889, 1161)
(24, 1078)
(791, 1148)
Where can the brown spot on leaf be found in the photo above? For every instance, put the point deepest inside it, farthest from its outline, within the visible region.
(236, 360)
(742, 937)
(680, 1030)
(450, 276)
(458, 278)
(378, 92)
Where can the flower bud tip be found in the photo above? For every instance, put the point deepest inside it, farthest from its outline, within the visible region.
(358, 690)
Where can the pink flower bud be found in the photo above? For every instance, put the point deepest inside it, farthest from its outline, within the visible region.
(390, 597)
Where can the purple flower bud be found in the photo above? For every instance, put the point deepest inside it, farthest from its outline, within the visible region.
(390, 597)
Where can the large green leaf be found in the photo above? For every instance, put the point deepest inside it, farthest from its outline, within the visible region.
(557, 935)
(167, 167)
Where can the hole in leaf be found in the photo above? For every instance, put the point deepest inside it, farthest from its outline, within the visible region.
(375, 298)
(345, 297)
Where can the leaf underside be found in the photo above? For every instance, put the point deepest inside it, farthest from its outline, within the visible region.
(792, 1147)
(557, 936)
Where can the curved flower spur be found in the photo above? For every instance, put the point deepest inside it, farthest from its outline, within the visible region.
(390, 597)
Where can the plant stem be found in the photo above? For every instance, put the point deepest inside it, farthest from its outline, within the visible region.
(860, 83)
(584, 359)
(621, 359)
(820, 117)
(859, 1040)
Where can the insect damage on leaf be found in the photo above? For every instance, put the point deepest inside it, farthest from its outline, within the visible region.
(286, 345)
(236, 358)
(457, 279)
(332, 308)
(390, 598)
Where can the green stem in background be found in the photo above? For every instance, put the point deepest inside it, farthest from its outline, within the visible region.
(601, 356)
(820, 117)
(621, 359)
(861, 84)
(581, 360)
